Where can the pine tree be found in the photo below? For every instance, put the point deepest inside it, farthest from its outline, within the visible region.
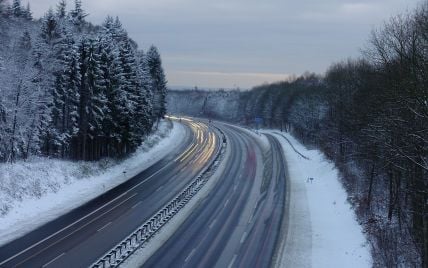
(17, 8)
(78, 14)
(110, 71)
(66, 96)
(108, 26)
(158, 83)
(26, 13)
(118, 32)
(92, 102)
(25, 41)
(49, 28)
(146, 119)
(2, 8)
(97, 87)
(61, 9)
(3, 131)
(129, 96)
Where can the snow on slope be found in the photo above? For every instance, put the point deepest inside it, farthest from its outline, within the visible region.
(39, 190)
(322, 227)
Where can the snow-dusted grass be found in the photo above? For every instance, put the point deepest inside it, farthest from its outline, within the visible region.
(322, 227)
(39, 190)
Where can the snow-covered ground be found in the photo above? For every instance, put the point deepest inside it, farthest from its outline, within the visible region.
(38, 190)
(322, 227)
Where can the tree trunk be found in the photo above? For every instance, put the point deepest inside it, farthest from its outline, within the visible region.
(12, 137)
(371, 179)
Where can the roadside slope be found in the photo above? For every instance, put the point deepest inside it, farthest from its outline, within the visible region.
(322, 229)
(40, 190)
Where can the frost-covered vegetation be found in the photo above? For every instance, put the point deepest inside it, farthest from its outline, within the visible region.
(71, 89)
(370, 116)
(221, 104)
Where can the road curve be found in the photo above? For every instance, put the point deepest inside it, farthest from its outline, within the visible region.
(238, 223)
(81, 236)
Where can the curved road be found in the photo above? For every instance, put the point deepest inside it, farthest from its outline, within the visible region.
(81, 236)
(238, 223)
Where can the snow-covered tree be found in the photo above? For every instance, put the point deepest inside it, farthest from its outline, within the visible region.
(66, 96)
(146, 83)
(70, 89)
(61, 11)
(3, 131)
(25, 41)
(26, 13)
(159, 83)
(17, 8)
(3, 7)
(129, 86)
(49, 28)
(78, 14)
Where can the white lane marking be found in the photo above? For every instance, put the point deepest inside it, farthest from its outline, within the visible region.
(243, 237)
(158, 189)
(190, 255)
(212, 223)
(104, 226)
(134, 206)
(56, 258)
(227, 202)
(232, 261)
(83, 226)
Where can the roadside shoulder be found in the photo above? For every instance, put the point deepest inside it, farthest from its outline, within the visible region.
(322, 228)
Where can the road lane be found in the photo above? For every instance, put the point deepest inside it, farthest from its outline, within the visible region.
(238, 223)
(78, 238)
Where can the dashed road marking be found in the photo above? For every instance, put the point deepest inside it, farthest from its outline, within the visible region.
(190, 255)
(104, 226)
(54, 259)
(232, 261)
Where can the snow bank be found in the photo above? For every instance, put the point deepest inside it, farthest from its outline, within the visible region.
(322, 228)
(39, 190)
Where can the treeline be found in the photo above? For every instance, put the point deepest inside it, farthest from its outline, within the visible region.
(72, 89)
(221, 104)
(369, 116)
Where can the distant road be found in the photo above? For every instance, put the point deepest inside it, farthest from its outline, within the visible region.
(238, 224)
(80, 237)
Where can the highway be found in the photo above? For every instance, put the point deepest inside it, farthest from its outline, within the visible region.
(81, 236)
(238, 223)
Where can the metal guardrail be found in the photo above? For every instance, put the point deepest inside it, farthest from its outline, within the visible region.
(142, 235)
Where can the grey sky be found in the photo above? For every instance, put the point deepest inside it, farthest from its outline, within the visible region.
(229, 43)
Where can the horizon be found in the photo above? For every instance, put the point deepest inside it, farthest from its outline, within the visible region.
(241, 44)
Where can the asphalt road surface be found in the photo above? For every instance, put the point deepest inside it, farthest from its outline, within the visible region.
(80, 237)
(238, 223)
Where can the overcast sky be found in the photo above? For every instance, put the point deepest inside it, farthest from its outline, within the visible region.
(243, 43)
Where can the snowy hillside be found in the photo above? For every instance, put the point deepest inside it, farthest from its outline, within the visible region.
(70, 89)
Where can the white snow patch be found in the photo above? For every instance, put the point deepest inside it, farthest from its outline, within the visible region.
(39, 190)
(322, 228)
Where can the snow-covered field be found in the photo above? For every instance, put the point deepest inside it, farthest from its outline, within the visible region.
(322, 228)
(39, 190)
